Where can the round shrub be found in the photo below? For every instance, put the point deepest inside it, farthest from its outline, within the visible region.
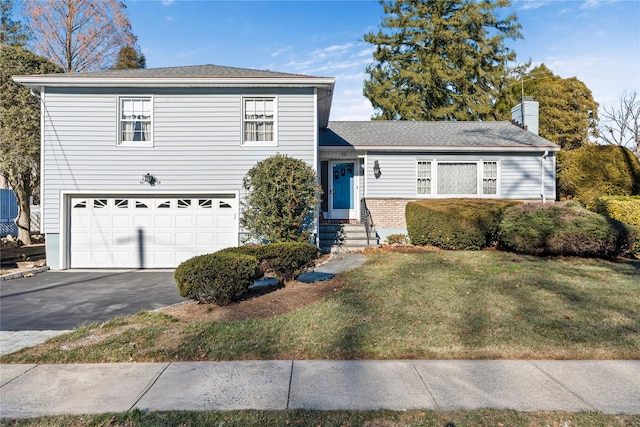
(281, 201)
(220, 277)
(287, 259)
(457, 224)
(562, 229)
(596, 170)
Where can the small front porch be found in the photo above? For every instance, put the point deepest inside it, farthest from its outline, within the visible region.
(348, 235)
(345, 221)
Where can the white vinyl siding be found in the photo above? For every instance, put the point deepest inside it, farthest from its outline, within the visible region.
(517, 174)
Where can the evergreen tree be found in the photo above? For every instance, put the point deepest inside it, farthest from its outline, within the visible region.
(20, 129)
(129, 58)
(439, 59)
(282, 196)
(568, 113)
(12, 32)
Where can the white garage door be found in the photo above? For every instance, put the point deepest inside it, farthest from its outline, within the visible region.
(139, 232)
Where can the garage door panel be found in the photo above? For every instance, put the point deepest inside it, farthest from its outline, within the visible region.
(205, 221)
(124, 258)
(139, 232)
(203, 238)
(225, 240)
(226, 221)
(163, 221)
(185, 221)
(160, 239)
(101, 258)
(123, 222)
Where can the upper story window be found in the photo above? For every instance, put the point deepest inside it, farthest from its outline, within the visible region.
(259, 120)
(136, 122)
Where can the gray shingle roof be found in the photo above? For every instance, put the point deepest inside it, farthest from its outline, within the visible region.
(194, 71)
(407, 134)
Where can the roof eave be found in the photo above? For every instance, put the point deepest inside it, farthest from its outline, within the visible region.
(36, 81)
(442, 148)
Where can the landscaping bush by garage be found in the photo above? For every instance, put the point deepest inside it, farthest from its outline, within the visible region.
(220, 277)
(458, 224)
(287, 259)
(563, 229)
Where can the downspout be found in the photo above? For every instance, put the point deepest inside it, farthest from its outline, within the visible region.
(542, 192)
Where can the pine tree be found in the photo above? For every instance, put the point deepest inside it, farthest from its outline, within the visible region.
(12, 32)
(129, 58)
(439, 59)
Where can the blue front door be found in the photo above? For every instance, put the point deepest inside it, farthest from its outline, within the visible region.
(343, 198)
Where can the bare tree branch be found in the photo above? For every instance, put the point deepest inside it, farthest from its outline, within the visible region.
(79, 35)
(621, 125)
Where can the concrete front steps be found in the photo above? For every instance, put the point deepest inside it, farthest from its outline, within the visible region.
(345, 238)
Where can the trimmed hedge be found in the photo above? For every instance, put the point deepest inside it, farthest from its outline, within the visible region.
(563, 229)
(287, 259)
(594, 171)
(625, 209)
(225, 276)
(220, 277)
(458, 224)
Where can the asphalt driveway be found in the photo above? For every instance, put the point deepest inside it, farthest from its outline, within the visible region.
(62, 300)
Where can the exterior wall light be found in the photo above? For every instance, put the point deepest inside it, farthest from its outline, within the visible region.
(149, 179)
(376, 169)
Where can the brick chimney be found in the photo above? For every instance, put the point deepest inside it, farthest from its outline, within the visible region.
(525, 114)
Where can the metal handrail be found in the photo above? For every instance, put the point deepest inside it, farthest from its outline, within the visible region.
(366, 218)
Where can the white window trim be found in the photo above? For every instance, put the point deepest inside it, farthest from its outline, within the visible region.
(273, 143)
(430, 194)
(479, 182)
(136, 144)
(497, 162)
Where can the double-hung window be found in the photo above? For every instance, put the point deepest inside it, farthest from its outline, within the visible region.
(489, 177)
(259, 120)
(135, 121)
(456, 178)
(424, 177)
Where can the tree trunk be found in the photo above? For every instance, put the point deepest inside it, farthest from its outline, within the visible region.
(23, 222)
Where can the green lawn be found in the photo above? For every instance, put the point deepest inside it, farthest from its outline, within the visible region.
(437, 305)
(482, 417)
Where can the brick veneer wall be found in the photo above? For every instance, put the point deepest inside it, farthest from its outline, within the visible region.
(388, 213)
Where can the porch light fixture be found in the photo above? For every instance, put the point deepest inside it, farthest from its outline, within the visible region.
(376, 169)
(149, 179)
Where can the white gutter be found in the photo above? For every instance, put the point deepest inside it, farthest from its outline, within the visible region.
(105, 81)
(439, 148)
(542, 192)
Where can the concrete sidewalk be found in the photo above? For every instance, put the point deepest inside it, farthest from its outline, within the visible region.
(34, 390)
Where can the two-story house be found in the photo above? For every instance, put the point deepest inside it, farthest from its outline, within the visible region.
(143, 168)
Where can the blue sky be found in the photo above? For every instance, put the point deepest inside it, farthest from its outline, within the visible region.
(597, 41)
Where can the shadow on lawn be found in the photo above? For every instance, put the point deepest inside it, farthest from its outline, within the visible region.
(551, 312)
